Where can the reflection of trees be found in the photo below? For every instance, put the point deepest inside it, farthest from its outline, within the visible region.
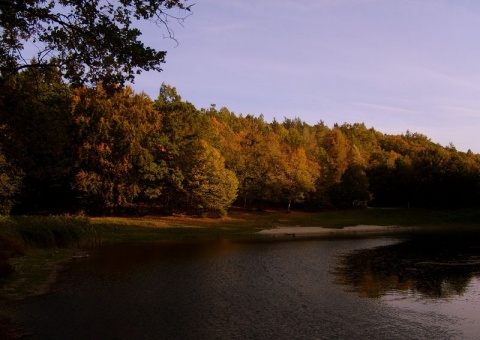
(436, 266)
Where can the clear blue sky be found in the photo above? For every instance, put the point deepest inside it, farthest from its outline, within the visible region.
(395, 65)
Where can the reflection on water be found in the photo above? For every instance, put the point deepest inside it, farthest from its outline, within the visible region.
(426, 274)
(232, 290)
(430, 266)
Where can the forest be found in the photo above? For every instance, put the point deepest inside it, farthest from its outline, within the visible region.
(111, 151)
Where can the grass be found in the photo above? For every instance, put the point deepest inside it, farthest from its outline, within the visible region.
(32, 248)
(243, 223)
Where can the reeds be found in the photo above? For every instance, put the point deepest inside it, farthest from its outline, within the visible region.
(19, 232)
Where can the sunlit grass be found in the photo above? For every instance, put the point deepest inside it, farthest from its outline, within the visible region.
(240, 221)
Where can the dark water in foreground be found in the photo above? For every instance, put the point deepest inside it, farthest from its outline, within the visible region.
(304, 289)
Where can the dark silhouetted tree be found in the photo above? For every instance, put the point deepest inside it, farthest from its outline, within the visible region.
(88, 41)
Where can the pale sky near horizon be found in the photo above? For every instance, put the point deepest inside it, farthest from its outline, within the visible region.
(395, 65)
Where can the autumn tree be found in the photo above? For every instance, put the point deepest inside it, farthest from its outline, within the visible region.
(88, 41)
(298, 169)
(337, 148)
(201, 183)
(225, 134)
(331, 155)
(364, 142)
(257, 162)
(298, 175)
(208, 185)
(114, 136)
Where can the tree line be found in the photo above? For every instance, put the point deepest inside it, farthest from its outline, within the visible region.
(67, 149)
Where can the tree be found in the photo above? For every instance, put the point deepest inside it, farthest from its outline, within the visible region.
(36, 137)
(257, 161)
(332, 156)
(182, 126)
(337, 148)
(115, 136)
(89, 41)
(364, 142)
(298, 174)
(443, 178)
(10, 183)
(352, 191)
(208, 185)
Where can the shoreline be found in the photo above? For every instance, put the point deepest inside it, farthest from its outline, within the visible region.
(322, 231)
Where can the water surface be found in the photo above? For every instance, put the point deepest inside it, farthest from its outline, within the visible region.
(240, 290)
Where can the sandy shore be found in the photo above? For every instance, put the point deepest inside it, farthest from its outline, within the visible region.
(314, 231)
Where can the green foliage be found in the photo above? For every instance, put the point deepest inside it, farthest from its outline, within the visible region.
(91, 41)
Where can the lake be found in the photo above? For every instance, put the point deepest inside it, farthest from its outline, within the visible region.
(344, 288)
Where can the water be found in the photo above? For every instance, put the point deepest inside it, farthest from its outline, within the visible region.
(296, 289)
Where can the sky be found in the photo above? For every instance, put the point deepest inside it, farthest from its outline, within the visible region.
(394, 65)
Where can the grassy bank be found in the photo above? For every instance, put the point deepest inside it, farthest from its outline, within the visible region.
(33, 248)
